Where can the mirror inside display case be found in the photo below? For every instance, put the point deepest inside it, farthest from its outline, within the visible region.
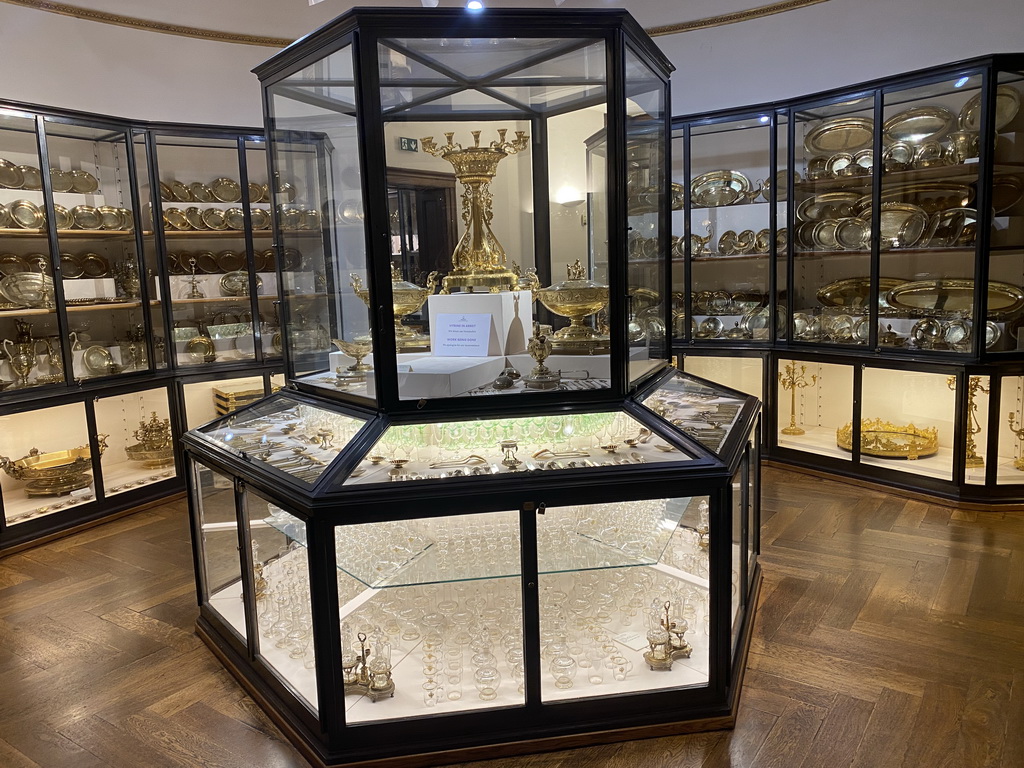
(293, 437)
(498, 446)
(815, 406)
(28, 308)
(832, 224)
(731, 239)
(139, 437)
(704, 412)
(46, 461)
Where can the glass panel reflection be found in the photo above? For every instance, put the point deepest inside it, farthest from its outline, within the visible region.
(497, 446)
(706, 413)
(318, 204)
(221, 560)
(636, 622)
(448, 635)
(283, 607)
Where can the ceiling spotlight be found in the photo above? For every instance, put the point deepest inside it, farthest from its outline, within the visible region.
(764, 118)
(475, 5)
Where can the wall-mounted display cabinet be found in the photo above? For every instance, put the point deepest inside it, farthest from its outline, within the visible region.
(98, 327)
(849, 231)
(486, 512)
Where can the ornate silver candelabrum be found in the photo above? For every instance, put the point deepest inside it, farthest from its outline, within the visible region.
(368, 675)
(665, 640)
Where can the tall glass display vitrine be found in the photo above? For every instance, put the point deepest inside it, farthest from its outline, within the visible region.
(887, 361)
(486, 511)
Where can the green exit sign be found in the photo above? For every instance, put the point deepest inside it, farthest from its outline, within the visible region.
(409, 145)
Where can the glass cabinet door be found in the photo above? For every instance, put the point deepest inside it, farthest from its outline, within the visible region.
(281, 596)
(815, 411)
(927, 217)
(437, 604)
(140, 441)
(29, 330)
(647, 276)
(623, 597)
(90, 177)
(264, 264)
(47, 462)
(730, 225)
(220, 546)
(1003, 326)
(318, 202)
(203, 219)
(154, 276)
(833, 219)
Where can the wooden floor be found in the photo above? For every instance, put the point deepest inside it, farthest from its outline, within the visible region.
(890, 633)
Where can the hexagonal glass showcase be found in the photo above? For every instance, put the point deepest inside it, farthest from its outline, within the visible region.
(392, 556)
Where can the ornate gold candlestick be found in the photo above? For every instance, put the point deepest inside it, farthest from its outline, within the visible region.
(1018, 463)
(478, 260)
(794, 380)
(973, 426)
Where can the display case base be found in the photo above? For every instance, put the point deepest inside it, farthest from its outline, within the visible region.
(725, 719)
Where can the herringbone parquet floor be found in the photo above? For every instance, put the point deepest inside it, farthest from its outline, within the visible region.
(890, 633)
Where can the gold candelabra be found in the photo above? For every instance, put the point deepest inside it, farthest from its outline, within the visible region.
(478, 261)
(793, 380)
(1018, 463)
(974, 386)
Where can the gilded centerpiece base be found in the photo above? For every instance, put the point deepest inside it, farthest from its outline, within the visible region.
(890, 441)
(479, 281)
(156, 458)
(52, 474)
(155, 448)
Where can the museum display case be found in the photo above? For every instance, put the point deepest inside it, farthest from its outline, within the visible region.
(69, 461)
(906, 194)
(85, 328)
(485, 515)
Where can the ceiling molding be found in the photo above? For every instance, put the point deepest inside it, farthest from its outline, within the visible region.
(132, 22)
(151, 26)
(731, 18)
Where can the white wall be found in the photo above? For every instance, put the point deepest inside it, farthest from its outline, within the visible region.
(63, 62)
(59, 61)
(830, 45)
